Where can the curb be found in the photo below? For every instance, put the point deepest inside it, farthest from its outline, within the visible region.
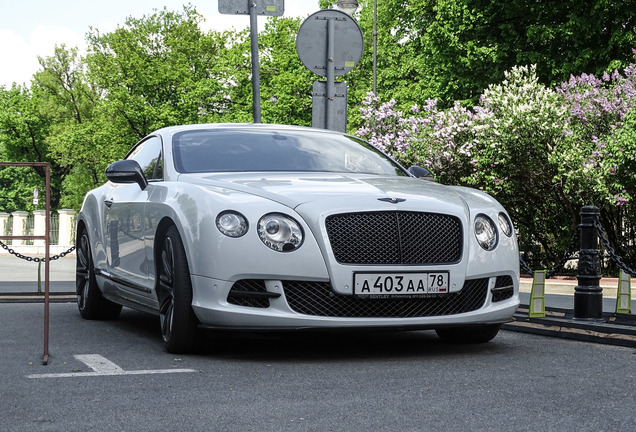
(61, 297)
(612, 329)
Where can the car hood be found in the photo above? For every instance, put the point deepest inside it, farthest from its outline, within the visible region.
(319, 193)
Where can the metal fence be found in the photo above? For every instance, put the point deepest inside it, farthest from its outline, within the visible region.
(28, 229)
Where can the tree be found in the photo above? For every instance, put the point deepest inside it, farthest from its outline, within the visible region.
(452, 50)
(600, 153)
(79, 136)
(286, 84)
(158, 71)
(23, 133)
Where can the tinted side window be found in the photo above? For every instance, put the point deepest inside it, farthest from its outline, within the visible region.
(148, 154)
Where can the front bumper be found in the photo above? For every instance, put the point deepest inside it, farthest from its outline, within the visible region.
(291, 305)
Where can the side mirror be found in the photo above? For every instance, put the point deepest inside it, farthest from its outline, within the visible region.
(421, 173)
(126, 171)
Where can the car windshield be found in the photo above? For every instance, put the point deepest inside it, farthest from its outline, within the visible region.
(240, 150)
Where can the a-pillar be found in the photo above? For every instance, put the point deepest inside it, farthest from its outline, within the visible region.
(66, 226)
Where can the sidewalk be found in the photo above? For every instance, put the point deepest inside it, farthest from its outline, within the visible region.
(566, 285)
(559, 320)
(20, 276)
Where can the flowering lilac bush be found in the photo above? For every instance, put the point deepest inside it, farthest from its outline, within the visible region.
(603, 156)
(542, 152)
(427, 137)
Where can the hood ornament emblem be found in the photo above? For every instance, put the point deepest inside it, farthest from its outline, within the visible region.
(392, 200)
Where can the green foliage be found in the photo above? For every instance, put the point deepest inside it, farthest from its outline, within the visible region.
(23, 132)
(158, 71)
(77, 132)
(75, 185)
(452, 50)
(518, 156)
(16, 188)
(285, 82)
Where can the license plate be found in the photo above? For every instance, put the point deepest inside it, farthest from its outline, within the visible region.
(380, 285)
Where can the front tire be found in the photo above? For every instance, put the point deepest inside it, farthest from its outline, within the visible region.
(468, 335)
(90, 302)
(178, 321)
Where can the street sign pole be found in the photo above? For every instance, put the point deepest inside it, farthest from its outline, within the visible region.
(256, 75)
(330, 44)
(331, 69)
(253, 8)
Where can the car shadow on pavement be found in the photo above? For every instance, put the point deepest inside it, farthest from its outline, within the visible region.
(303, 346)
(329, 345)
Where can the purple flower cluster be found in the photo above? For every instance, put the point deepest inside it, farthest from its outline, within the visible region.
(600, 102)
(620, 200)
(427, 136)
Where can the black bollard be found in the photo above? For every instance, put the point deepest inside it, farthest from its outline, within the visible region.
(588, 295)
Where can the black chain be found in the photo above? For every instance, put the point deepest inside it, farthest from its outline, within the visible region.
(526, 267)
(31, 259)
(610, 250)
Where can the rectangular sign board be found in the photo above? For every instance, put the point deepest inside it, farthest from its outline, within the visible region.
(242, 7)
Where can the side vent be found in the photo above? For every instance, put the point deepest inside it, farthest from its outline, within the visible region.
(250, 293)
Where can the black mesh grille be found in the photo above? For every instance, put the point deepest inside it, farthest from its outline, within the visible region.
(317, 298)
(395, 238)
(504, 289)
(247, 292)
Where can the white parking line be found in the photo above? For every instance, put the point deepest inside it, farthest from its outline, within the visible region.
(103, 367)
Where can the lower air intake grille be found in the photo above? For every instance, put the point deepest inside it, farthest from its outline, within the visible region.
(504, 289)
(248, 292)
(317, 299)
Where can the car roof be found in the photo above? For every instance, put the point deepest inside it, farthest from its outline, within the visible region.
(241, 126)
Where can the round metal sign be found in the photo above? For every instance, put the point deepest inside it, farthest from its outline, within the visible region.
(312, 42)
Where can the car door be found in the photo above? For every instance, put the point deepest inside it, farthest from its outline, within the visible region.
(125, 223)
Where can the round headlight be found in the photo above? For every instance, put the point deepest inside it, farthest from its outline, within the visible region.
(231, 223)
(505, 224)
(279, 232)
(485, 232)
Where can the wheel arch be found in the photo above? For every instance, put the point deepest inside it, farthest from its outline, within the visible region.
(160, 233)
(81, 226)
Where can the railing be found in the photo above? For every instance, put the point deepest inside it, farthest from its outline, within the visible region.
(45, 238)
(588, 294)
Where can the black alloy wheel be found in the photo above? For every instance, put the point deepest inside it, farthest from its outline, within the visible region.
(178, 321)
(90, 302)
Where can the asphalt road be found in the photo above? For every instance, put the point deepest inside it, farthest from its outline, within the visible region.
(126, 381)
